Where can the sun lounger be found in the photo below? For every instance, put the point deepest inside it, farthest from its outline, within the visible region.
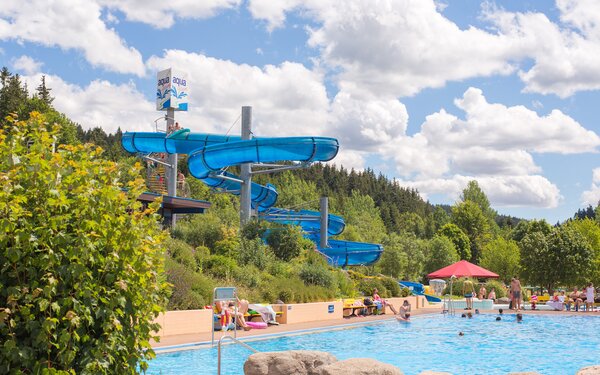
(352, 305)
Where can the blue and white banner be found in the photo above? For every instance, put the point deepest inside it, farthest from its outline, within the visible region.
(171, 91)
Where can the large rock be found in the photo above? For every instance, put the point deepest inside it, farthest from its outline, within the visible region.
(591, 370)
(301, 362)
(502, 300)
(359, 366)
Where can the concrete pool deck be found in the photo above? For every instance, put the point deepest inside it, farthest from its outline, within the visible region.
(190, 341)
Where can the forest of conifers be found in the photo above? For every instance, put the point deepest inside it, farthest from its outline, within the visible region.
(207, 250)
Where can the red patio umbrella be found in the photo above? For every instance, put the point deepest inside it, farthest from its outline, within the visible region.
(460, 269)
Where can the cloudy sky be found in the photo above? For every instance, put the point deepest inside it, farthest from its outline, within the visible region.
(431, 93)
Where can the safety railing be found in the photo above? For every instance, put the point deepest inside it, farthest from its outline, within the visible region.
(234, 340)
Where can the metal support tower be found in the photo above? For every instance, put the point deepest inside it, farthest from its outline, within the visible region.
(171, 171)
(324, 208)
(246, 170)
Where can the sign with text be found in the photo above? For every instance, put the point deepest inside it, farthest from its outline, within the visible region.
(171, 90)
(330, 309)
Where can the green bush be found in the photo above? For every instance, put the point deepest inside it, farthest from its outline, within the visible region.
(287, 242)
(316, 274)
(391, 285)
(201, 255)
(191, 290)
(255, 229)
(255, 252)
(228, 247)
(182, 253)
(248, 276)
(405, 292)
(200, 230)
(221, 266)
(80, 260)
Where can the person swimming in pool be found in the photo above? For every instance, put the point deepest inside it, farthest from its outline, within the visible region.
(404, 313)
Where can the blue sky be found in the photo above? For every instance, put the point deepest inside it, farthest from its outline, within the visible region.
(431, 93)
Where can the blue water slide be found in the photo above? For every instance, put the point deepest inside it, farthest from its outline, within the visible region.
(213, 158)
(211, 154)
(419, 290)
(309, 221)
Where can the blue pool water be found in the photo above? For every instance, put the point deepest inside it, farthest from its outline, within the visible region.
(546, 344)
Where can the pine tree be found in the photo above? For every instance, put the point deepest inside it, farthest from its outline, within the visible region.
(43, 92)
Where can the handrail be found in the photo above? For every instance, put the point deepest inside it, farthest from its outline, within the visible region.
(236, 341)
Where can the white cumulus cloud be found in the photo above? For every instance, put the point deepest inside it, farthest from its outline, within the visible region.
(287, 99)
(69, 24)
(27, 64)
(592, 196)
(162, 14)
(99, 104)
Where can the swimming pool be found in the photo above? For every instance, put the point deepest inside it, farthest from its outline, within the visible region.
(546, 344)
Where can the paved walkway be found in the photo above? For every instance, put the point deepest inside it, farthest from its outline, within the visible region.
(191, 339)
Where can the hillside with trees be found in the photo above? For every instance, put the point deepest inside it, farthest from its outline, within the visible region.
(268, 262)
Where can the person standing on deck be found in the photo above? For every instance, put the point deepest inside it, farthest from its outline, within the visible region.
(515, 287)
(468, 291)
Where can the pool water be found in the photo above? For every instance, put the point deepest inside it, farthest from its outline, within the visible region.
(546, 344)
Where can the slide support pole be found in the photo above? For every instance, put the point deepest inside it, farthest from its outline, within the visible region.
(171, 170)
(324, 208)
(246, 170)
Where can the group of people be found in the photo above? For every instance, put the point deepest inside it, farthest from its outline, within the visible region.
(232, 313)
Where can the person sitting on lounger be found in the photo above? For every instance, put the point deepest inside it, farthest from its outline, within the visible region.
(404, 313)
(239, 315)
(534, 300)
(383, 302)
(576, 297)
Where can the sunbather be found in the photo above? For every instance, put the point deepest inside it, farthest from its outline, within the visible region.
(576, 297)
(239, 315)
(383, 302)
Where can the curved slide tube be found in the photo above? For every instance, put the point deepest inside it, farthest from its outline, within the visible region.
(309, 221)
(349, 253)
(210, 154)
(418, 289)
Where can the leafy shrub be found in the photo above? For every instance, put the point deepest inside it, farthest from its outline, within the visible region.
(191, 290)
(227, 247)
(255, 229)
(248, 276)
(405, 292)
(391, 285)
(182, 253)
(221, 266)
(316, 274)
(345, 284)
(287, 242)
(254, 252)
(200, 230)
(201, 255)
(79, 258)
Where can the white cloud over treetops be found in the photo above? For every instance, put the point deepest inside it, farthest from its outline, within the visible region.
(592, 196)
(69, 24)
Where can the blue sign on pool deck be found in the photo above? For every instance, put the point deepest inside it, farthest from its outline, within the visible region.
(550, 345)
